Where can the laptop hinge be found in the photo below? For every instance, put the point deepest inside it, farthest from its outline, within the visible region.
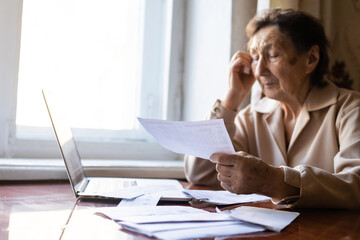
(82, 185)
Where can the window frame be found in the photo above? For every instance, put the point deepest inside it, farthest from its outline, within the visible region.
(106, 148)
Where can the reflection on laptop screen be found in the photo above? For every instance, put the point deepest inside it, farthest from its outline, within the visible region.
(65, 140)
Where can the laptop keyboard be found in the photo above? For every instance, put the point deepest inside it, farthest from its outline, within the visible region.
(108, 185)
(129, 183)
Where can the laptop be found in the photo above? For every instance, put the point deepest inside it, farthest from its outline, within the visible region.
(100, 187)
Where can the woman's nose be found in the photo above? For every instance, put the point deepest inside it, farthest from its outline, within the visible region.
(261, 67)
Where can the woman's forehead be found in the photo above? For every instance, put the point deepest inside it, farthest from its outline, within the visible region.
(267, 37)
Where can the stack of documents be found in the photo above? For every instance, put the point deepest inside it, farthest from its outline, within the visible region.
(180, 222)
(199, 139)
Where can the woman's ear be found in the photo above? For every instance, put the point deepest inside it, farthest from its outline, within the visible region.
(313, 58)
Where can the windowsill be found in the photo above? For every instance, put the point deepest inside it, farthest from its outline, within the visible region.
(54, 169)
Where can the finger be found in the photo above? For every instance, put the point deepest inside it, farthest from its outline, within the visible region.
(226, 186)
(224, 170)
(214, 157)
(241, 65)
(241, 54)
(224, 158)
(225, 179)
(243, 154)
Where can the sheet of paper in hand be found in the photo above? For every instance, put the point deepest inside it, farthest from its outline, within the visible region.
(198, 138)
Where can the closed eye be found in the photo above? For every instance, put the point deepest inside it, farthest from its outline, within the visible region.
(273, 54)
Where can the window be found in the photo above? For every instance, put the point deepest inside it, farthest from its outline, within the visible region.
(110, 59)
(90, 52)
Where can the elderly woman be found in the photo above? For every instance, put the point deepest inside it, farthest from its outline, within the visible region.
(300, 144)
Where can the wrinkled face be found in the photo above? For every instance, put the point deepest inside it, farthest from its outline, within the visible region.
(277, 66)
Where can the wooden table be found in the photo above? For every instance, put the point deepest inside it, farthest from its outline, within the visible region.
(49, 210)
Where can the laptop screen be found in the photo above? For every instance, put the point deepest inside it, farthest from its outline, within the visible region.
(65, 140)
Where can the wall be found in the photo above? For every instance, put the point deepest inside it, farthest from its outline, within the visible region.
(344, 34)
(214, 31)
(341, 22)
(10, 23)
(207, 52)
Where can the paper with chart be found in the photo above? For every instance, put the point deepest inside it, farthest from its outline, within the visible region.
(198, 138)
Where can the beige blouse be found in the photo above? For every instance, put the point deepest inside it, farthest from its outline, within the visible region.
(323, 157)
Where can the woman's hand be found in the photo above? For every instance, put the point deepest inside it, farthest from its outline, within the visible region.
(241, 80)
(242, 173)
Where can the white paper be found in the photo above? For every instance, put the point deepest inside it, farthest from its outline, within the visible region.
(181, 217)
(157, 214)
(192, 230)
(144, 200)
(199, 139)
(224, 197)
(180, 222)
(271, 219)
(150, 228)
(119, 213)
(206, 232)
(136, 191)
